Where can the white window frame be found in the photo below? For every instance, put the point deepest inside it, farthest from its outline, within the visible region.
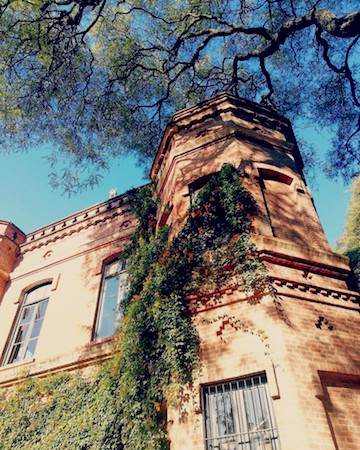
(26, 332)
(238, 415)
(110, 320)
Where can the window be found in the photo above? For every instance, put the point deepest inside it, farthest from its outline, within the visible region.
(27, 330)
(278, 200)
(238, 416)
(113, 291)
(198, 185)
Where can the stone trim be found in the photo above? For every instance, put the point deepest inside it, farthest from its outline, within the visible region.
(304, 291)
(117, 240)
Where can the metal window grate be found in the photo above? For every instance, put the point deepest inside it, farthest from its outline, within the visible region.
(239, 416)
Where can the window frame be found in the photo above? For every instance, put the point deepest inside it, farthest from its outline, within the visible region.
(33, 306)
(243, 400)
(121, 292)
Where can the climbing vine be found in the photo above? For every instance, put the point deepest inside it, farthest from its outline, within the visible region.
(122, 404)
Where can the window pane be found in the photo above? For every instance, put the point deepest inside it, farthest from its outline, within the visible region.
(14, 355)
(113, 291)
(107, 328)
(27, 313)
(109, 307)
(224, 414)
(39, 293)
(41, 309)
(30, 349)
(36, 329)
(21, 334)
(197, 186)
(114, 268)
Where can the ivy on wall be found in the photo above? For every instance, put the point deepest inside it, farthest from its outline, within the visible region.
(122, 404)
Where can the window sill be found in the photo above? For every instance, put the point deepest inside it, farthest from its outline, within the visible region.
(22, 363)
(100, 341)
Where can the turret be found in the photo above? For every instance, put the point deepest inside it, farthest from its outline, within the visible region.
(10, 239)
(258, 142)
(261, 145)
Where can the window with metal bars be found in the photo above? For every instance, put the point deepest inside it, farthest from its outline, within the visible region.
(239, 416)
(27, 330)
(113, 290)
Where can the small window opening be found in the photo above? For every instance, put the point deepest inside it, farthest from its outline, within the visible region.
(198, 185)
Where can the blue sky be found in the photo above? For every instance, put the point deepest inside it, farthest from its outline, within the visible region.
(29, 202)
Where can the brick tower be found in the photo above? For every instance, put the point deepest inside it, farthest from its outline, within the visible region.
(279, 373)
(297, 364)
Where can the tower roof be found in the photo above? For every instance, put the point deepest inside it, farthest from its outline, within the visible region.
(246, 111)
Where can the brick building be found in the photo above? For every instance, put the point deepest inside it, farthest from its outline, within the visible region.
(59, 287)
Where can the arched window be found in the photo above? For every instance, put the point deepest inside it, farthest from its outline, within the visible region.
(27, 330)
(113, 290)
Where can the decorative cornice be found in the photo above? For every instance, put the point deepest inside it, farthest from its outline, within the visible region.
(191, 118)
(212, 102)
(102, 212)
(307, 291)
(108, 243)
(305, 266)
(284, 287)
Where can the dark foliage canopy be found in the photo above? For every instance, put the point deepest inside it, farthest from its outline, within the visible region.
(100, 78)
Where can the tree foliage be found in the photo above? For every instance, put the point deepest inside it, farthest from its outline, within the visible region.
(62, 411)
(349, 243)
(100, 78)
